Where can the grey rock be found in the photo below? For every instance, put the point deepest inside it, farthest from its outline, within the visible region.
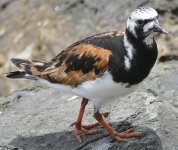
(4, 4)
(40, 117)
(65, 141)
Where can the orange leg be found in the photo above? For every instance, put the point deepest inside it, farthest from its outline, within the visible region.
(118, 136)
(81, 128)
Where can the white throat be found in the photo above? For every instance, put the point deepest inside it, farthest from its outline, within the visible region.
(149, 40)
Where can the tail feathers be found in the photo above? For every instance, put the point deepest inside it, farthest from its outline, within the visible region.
(19, 75)
(19, 62)
(33, 68)
(15, 75)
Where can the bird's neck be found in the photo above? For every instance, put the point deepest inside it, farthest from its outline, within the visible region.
(142, 45)
(146, 41)
(140, 56)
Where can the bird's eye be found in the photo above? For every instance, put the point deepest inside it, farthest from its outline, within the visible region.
(140, 22)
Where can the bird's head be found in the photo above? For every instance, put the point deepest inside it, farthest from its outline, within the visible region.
(143, 21)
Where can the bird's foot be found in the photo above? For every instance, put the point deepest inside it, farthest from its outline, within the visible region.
(85, 129)
(126, 134)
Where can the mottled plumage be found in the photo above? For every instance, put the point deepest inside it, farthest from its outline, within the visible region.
(101, 67)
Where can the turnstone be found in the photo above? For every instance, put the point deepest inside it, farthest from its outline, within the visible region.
(101, 67)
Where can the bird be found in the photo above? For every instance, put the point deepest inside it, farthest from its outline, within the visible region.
(100, 68)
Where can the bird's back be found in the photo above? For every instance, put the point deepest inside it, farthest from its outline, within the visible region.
(89, 59)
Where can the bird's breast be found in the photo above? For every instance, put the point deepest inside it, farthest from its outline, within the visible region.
(103, 90)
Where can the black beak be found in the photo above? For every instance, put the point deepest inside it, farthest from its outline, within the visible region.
(158, 28)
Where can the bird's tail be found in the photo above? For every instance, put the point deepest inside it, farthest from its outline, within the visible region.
(15, 74)
(28, 69)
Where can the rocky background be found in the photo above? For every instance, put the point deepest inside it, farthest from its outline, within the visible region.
(40, 29)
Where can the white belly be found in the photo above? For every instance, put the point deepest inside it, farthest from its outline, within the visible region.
(99, 91)
(103, 90)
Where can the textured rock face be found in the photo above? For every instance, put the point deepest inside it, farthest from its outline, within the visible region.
(39, 118)
(65, 141)
(40, 29)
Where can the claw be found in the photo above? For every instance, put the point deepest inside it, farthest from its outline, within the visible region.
(127, 134)
(118, 136)
(90, 126)
(129, 130)
(79, 129)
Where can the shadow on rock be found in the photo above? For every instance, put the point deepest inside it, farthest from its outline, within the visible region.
(66, 141)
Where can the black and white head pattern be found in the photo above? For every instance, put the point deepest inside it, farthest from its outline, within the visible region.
(141, 21)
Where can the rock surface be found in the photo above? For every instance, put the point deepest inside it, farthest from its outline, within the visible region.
(40, 29)
(39, 118)
(65, 141)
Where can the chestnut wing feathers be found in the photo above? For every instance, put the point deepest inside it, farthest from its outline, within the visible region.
(83, 61)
